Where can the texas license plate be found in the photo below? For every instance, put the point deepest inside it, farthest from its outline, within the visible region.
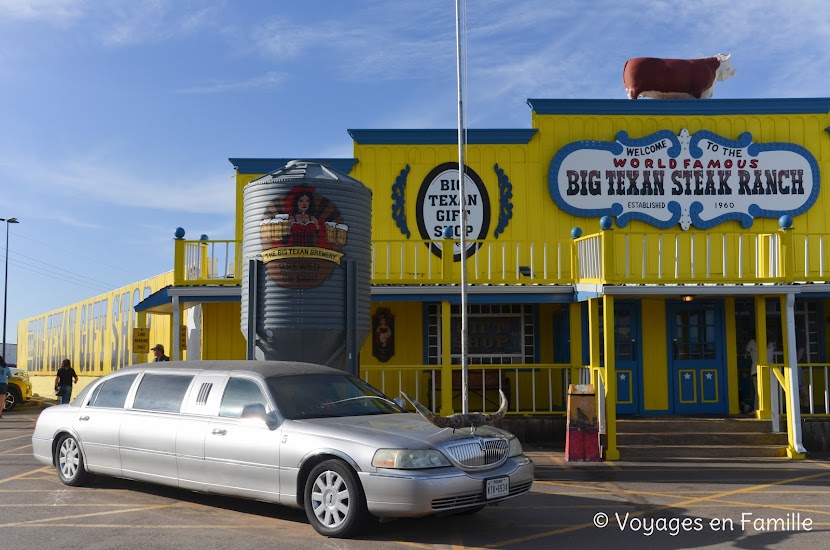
(498, 487)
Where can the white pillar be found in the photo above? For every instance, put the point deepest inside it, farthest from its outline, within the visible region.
(793, 404)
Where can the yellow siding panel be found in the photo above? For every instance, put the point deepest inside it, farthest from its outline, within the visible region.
(655, 362)
(222, 336)
(94, 334)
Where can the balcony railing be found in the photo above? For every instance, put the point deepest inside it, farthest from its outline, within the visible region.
(608, 257)
(615, 257)
(205, 263)
(409, 262)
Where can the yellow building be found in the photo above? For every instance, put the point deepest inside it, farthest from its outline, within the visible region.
(673, 232)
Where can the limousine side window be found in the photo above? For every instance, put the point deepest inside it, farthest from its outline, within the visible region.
(161, 392)
(113, 392)
(239, 393)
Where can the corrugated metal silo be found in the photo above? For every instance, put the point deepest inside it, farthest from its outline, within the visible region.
(309, 227)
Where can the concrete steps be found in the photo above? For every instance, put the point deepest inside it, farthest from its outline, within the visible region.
(673, 438)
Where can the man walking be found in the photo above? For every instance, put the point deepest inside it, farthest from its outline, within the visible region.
(158, 352)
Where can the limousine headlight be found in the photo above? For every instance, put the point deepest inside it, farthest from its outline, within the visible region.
(409, 459)
(515, 447)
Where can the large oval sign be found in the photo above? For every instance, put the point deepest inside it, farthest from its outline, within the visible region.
(699, 180)
(439, 207)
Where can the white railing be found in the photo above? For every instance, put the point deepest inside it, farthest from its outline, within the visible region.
(209, 262)
(404, 261)
(589, 257)
(529, 389)
(814, 390)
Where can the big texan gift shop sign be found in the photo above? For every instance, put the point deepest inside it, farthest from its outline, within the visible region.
(699, 180)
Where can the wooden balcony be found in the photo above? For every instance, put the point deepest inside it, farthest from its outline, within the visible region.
(616, 257)
(608, 257)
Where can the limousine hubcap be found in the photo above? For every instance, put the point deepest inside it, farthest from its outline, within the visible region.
(331, 499)
(68, 458)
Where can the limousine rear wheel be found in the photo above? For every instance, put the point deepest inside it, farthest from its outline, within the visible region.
(70, 462)
(334, 500)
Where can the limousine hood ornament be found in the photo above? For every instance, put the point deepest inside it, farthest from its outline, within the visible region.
(459, 420)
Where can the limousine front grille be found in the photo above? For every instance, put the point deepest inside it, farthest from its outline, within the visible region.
(479, 453)
(470, 499)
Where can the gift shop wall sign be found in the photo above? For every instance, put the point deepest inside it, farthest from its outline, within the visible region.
(303, 236)
(439, 206)
(699, 180)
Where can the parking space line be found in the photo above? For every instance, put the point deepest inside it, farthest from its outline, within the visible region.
(16, 437)
(682, 504)
(51, 521)
(24, 474)
(10, 451)
(784, 507)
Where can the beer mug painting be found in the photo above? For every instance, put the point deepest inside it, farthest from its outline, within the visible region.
(336, 233)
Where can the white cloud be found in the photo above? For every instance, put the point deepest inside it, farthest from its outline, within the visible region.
(269, 81)
(48, 10)
(101, 180)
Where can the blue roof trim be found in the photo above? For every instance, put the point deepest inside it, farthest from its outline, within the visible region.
(680, 106)
(161, 302)
(502, 298)
(265, 166)
(442, 137)
(156, 299)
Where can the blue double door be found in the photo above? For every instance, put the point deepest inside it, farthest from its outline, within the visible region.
(697, 358)
(695, 362)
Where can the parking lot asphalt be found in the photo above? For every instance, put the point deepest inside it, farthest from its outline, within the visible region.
(684, 504)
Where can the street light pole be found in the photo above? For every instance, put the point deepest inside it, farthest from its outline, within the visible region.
(6, 280)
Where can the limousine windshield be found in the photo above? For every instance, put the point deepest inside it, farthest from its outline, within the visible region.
(325, 396)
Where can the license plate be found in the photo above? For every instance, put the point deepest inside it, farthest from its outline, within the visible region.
(498, 487)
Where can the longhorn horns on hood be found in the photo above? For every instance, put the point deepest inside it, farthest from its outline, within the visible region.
(459, 420)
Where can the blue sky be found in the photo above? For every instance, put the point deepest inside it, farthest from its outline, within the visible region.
(118, 116)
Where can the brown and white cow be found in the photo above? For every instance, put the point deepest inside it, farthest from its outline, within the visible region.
(675, 78)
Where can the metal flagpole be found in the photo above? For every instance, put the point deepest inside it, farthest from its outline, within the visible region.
(462, 176)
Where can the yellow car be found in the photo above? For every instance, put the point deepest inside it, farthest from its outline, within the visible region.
(20, 388)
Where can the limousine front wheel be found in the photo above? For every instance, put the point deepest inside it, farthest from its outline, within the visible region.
(334, 500)
(70, 462)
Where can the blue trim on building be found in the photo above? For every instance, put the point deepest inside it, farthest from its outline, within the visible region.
(161, 302)
(777, 106)
(442, 137)
(156, 299)
(265, 165)
(399, 201)
(505, 206)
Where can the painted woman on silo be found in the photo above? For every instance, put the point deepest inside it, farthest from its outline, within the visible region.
(304, 227)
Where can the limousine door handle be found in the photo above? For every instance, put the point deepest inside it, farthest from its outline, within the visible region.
(219, 431)
(85, 417)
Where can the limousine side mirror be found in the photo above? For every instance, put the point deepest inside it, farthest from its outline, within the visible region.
(256, 410)
(400, 402)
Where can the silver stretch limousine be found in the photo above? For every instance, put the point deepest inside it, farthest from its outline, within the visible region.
(296, 434)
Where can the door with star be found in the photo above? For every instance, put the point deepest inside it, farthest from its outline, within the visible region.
(628, 367)
(697, 362)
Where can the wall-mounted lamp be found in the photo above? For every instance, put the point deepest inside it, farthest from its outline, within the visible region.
(524, 271)
(688, 298)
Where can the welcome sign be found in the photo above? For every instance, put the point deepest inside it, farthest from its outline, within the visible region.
(699, 180)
